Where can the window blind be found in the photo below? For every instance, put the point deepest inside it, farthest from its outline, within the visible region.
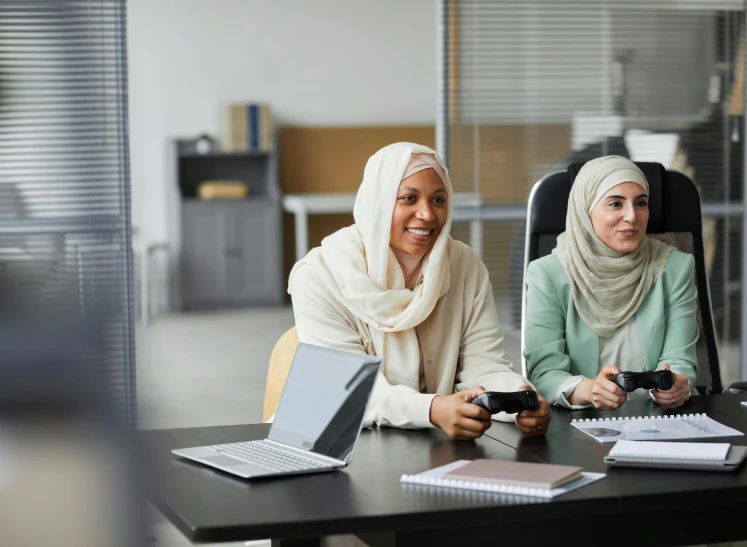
(525, 88)
(65, 242)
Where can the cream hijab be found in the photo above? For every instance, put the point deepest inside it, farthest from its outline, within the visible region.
(362, 272)
(608, 287)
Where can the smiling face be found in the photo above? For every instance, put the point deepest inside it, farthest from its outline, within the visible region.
(621, 216)
(419, 213)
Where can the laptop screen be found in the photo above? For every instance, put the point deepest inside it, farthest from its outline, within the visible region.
(324, 400)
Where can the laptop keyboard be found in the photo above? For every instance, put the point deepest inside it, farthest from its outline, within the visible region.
(267, 456)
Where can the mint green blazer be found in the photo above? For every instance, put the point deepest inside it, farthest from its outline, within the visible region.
(558, 344)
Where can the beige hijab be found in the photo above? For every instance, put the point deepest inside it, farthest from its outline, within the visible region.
(362, 272)
(608, 287)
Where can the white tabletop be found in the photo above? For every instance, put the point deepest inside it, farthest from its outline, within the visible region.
(303, 205)
(320, 203)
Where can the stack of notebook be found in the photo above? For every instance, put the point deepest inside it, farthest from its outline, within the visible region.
(506, 477)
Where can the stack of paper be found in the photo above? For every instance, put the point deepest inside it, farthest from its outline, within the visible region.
(653, 428)
(655, 147)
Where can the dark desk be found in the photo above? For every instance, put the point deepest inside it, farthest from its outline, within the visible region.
(675, 508)
(701, 506)
(207, 505)
(729, 403)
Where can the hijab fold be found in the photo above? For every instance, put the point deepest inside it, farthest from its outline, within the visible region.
(362, 272)
(607, 286)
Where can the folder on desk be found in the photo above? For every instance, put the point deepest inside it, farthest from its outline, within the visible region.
(663, 455)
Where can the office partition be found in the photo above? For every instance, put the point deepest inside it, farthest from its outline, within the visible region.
(525, 88)
(65, 242)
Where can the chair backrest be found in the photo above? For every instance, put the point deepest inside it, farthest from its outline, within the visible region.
(277, 373)
(674, 218)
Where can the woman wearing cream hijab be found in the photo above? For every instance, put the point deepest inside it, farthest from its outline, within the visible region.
(609, 299)
(396, 285)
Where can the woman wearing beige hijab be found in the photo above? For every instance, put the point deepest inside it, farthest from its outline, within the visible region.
(609, 298)
(396, 285)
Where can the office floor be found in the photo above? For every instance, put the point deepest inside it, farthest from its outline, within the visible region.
(209, 368)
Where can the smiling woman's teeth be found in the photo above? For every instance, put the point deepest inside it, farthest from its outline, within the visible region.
(419, 232)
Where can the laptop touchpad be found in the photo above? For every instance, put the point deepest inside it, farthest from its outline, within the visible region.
(225, 461)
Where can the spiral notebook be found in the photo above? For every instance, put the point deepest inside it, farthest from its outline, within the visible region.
(653, 428)
(440, 476)
(700, 456)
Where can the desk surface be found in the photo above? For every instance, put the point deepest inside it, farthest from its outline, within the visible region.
(208, 505)
(368, 499)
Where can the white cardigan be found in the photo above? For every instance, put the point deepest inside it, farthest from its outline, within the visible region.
(460, 341)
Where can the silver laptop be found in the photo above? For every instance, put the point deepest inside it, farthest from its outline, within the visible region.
(317, 422)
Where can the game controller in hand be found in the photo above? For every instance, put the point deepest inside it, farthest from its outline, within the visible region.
(497, 401)
(630, 381)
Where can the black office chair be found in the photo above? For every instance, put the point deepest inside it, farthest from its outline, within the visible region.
(674, 218)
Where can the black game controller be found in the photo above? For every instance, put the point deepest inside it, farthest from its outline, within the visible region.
(630, 381)
(496, 401)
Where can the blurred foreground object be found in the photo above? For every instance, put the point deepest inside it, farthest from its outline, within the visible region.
(67, 471)
(67, 372)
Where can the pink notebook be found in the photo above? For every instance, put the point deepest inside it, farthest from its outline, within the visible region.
(504, 477)
(529, 475)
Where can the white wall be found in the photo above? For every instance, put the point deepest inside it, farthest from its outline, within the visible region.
(317, 62)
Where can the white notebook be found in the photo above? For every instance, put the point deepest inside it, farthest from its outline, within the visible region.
(671, 451)
(663, 455)
(435, 477)
(653, 428)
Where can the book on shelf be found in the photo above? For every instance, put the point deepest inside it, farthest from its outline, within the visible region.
(250, 127)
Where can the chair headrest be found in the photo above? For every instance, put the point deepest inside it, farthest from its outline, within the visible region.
(654, 173)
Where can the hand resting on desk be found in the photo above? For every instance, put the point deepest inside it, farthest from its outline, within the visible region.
(462, 420)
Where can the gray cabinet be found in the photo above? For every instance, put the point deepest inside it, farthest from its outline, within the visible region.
(231, 249)
(231, 253)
